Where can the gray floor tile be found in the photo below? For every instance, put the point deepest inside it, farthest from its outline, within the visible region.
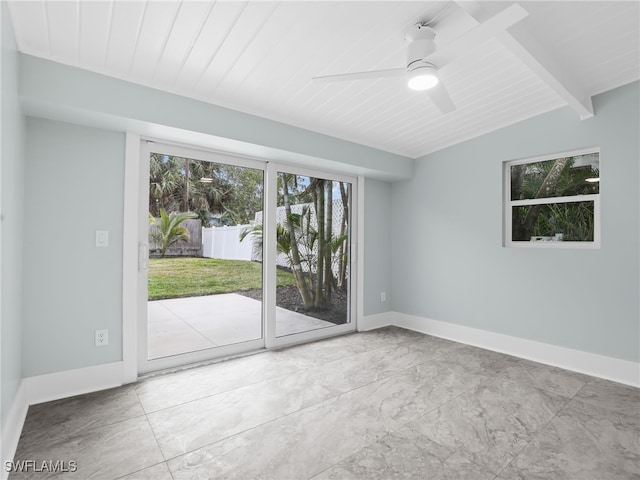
(392, 338)
(192, 425)
(307, 442)
(385, 404)
(492, 422)
(392, 335)
(381, 362)
(176, 388)
(195, 424)
(157, 472)
(328, 350)
(440, 382)
(104, 453)
(552, 379)
(72, 415)
(405, 454)
(611, 395)
(583, 442)
(478, 360)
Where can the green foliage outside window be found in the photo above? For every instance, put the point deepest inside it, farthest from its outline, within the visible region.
(547, 180)
(223, 194)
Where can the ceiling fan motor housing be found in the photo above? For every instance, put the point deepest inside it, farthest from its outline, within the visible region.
(421, 43)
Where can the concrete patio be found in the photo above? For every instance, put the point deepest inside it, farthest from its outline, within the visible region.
(182, 325)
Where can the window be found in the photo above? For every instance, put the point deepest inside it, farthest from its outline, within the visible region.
(553, 201)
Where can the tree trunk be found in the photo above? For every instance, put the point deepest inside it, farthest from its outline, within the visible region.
(186, 185)
(517, 179)
(548, 186)
(301, 282)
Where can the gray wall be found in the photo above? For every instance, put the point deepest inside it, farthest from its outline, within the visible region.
(377, 246)
(446, 224)
(74, 288)
(448, 259)
(75, 187)
(12, 181)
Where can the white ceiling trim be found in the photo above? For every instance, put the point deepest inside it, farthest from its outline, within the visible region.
(538, 60)
(542, 64)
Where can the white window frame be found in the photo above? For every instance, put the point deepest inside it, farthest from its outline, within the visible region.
(509, 204)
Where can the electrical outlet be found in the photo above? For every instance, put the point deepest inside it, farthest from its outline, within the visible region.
(383, 296)
(102, 338)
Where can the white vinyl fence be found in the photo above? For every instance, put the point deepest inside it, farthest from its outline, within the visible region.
(224, 243)
(281, 218)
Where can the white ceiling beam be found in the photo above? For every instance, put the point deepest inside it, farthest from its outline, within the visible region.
(542, 62)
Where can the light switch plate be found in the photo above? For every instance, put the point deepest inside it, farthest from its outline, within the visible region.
(102, 238)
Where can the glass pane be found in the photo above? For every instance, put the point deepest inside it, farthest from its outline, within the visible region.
(313, 231)
(205, 281)
(556, 222)
(561, 177)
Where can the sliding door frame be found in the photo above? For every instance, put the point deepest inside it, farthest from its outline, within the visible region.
(146, 365)
(135, 256)
(272, 341)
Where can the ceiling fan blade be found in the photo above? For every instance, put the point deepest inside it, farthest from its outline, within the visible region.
(441, 98)
(483, 32)
(393, 72)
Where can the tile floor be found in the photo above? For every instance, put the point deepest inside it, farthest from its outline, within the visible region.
(181, 325)
(386, 404)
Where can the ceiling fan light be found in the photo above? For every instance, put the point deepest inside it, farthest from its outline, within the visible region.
(422, 82)
(423, 78)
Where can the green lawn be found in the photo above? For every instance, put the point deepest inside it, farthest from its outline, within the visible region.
(191, 277)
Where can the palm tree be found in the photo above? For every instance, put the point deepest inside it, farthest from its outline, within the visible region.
(166, 178)
(309, 242)
(283, 241)
(296, 264)
(341, 245)
(170, 231)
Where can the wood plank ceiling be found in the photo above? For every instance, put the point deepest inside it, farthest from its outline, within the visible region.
(259, 57)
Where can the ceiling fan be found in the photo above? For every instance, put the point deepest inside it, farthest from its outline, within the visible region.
(424, 60)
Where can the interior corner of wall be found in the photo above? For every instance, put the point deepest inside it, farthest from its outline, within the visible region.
(12, 426)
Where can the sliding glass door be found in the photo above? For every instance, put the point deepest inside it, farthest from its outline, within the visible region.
(203, 277)
(239, 255)
(204, 287)
(313, 234)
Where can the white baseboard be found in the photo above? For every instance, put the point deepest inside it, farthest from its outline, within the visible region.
(378, 320)
(601, 366)
(12, 427)
(53, 386)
